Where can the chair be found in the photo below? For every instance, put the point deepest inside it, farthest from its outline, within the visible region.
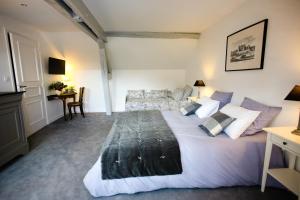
(77, 104)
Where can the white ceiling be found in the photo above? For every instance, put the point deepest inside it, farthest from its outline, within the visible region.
(160, 15)
(127, 15)
(38, 13)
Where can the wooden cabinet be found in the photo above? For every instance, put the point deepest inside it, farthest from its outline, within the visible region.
(13, 141)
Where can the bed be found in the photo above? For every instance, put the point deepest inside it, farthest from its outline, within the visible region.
(207, 162)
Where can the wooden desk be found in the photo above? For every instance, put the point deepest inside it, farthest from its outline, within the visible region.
(63, 97)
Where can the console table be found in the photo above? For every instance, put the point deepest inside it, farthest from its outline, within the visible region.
(63, 97)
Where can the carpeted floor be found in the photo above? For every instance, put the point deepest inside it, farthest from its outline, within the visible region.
(63, 152)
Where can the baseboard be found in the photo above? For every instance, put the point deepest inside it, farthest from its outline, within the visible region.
(50, 120)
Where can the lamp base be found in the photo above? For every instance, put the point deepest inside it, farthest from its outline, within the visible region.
(296, 132)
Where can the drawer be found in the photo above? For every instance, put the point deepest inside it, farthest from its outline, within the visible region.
(285, 144)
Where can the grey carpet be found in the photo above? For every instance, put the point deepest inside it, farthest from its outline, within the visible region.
(63, 152)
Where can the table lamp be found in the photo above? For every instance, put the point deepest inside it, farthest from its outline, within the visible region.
(294, 95)
(199, 83)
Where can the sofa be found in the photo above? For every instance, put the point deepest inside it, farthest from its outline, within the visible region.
(157, 99)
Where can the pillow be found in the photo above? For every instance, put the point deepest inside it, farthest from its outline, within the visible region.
(268, 113)
(178, 94)
(223, 97)
(156, 94)
(208, 107)
(187, 92)
(216, 123)
(244, 119)
(135, 93)
(190, 108)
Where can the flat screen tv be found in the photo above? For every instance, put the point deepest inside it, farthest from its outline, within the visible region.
(56, 66)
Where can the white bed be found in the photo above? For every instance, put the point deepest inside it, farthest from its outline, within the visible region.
(207, 162)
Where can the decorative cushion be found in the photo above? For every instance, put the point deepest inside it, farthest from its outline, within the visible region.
(268, 113)
(187, 92)
(156, 94)
(208, 107)
(244, 119)
(135, 93)
(178, 94)
(190, 108)
(216, 123)
(223, 97)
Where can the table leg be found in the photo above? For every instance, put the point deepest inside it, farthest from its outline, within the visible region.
(64, 105)
(266, 162)
(74, 108)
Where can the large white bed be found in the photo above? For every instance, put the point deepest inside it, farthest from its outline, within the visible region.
(207, 162)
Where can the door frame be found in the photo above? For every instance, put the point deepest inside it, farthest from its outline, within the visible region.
(7, 33)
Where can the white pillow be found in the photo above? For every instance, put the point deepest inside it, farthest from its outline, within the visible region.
(208, 107)
(244, 119)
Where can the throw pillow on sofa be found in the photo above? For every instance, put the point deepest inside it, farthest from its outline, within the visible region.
(187, 92)
(178, 94)
(154, 94)
(136, 94)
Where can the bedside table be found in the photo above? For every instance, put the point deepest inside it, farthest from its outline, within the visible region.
(283, 138)
(192, 99)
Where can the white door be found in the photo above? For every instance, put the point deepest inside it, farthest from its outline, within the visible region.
(27, 67)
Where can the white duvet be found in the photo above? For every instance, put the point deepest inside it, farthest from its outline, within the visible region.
(207, 162)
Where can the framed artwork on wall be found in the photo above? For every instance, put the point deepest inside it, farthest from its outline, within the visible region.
(245, 49)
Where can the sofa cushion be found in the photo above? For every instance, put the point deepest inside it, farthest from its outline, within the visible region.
(135, 94)
(187, 92)
(156, 94)
(178, 94)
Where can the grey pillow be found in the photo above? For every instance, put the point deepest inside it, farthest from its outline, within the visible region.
(187, 92)
(223, 97)
(268, 113)
(178, 94)
(190, 108)
(216, 123)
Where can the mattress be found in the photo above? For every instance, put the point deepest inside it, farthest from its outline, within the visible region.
(207, 162)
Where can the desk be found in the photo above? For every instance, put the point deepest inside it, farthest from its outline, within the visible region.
(63, 97)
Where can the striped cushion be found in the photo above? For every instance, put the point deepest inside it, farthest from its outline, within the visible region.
(216, 123)
(190, 108)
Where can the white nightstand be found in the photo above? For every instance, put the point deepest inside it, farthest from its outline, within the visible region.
(193, 99)
(289, 177)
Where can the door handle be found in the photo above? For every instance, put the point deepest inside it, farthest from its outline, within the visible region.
(23, 86)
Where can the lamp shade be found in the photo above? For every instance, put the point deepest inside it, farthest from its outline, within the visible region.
(199, 83)
(294, 94)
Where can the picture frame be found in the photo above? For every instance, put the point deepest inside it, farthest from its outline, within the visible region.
(245, 49)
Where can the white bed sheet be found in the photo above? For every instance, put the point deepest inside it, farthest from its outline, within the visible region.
(207, 162)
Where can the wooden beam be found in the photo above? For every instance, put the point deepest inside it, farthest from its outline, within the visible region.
(82, 11)
(105, 78)
(166, 35)
(80, 15)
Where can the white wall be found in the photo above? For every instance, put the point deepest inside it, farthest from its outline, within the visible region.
(137, 64)
(147, 63)
(282, 62)
(134, 79)
(150, 53)
(82, 65)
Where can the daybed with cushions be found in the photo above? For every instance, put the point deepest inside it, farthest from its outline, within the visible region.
(157, 99)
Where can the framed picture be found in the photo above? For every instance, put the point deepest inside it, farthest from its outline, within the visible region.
(245, 49)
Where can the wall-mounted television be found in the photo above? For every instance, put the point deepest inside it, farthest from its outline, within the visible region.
(56, 66)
